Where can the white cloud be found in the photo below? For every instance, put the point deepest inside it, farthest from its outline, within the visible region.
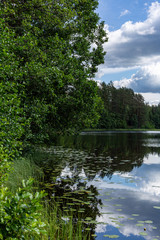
(125, 12)
(145, 80)
(151, 98)
(136, 45)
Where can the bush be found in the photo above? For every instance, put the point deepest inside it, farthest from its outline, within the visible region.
(20, 214)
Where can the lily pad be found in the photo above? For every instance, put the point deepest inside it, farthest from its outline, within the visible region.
(143, 233)
(111, 236)
(148, 221)
(157, 207)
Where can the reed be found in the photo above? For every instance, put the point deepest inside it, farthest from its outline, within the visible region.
(59, 225)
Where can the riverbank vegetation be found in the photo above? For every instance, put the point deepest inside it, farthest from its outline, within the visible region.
(49, 54)
(47, 65)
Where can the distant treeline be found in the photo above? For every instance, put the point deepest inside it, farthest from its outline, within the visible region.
(125, 109)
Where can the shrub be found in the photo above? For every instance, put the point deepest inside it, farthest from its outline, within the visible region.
(20, 213)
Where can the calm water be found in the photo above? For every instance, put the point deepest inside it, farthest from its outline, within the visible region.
(110, 181)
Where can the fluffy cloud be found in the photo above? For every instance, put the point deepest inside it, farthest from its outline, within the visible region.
(147, 79)
(136, 46)
(125, 12)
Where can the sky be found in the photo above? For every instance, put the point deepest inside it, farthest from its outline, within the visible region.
(133, 49)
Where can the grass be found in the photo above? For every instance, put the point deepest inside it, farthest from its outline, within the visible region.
(57, 227)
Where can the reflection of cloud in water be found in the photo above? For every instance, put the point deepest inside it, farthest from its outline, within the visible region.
(100, 227)
(152, 159)
(151, 142)
(66, 172)
(134, 206)
(127, 194)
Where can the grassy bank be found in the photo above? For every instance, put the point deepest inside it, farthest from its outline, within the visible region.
(58, 225)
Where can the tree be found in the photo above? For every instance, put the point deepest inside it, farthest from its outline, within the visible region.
(12, 117)
(58, 46)
(122, 108)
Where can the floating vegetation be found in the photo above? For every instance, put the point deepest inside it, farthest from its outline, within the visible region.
(157, 207)
(139, 224)
(143, 233)
(148, 221)
(111, 236)
(86, 180)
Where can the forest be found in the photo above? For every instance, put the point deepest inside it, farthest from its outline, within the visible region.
(123, 108)
(49, 54)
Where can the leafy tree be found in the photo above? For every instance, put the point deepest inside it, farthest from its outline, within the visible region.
(154, 116)
(58, 46)
(122, 108)
(12, 117)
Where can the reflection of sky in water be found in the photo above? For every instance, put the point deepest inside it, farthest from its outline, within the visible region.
(129, 200)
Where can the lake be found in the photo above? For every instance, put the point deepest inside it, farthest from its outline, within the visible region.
(110, 181)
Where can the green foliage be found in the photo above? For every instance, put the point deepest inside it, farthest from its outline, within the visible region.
(54, 62)
(154, 116)
(122, 108)
(5, 166)
(12, 119)
(47, 62)
(20, 213)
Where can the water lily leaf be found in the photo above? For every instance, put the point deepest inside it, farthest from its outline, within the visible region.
(143, 233)
(157, 207)
(154, 227)
(148, 221)
(111, 236)
(88, 218)
(140, 224)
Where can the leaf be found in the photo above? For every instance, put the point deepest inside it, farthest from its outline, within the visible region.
(143, 233)
(111, 236)
(157, 207)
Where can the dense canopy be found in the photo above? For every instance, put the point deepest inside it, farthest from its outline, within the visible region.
(53, 51)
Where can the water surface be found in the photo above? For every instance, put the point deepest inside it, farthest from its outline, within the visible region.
(110, 181)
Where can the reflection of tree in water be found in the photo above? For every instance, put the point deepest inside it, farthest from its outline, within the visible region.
(106, 153)
(72, 194)
(94, 155)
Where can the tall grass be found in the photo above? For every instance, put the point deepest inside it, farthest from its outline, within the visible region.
(57, 227)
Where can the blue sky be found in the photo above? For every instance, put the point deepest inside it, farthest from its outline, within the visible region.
(133, 48)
